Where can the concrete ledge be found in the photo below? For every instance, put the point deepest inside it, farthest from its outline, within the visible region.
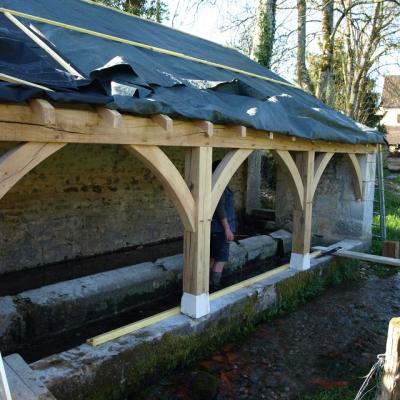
(118, 368)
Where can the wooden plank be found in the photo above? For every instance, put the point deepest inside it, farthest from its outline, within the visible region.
(18, 123)
(197, 243)
(391, 248)
(224, 172)
(206, 126)
(110, 117)
(321, 162)
(286, 161)
(5, 393)
(45, 113)
(13, 79)
(390, 385)
(17, 162)
(171, 179)
(364, 257)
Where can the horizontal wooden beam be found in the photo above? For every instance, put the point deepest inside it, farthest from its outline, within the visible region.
(19, 123)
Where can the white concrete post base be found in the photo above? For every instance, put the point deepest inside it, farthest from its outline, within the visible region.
(300, 262)
(195, 306)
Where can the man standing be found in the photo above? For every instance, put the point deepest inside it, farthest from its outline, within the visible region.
(223, 227)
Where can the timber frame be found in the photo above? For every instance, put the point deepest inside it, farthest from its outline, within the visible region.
(41, 129)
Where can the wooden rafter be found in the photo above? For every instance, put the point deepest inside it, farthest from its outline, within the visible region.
(174, 184)
(19, 123)
(224, 172)
(16, 163)
(356, 174)
(286, 161)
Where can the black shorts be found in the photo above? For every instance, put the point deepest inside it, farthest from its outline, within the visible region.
(219, 247)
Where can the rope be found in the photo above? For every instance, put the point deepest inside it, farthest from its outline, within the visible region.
(141, 45)
(376, 369)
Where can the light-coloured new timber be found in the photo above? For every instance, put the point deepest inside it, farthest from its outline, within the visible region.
(164, 121)
(285, 159)
(390, 385)
(196, 252)
(4, 387)
(17, 162)
(356, 174)
(18, 123)
(301, 239)
(111, 117)
(45, 113)
(171, 179)
(224, 172)
(321, 162)
(206, 126)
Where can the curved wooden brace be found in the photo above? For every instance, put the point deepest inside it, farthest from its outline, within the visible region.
(224, 172)
(320, 164)
(174, 184)
(286, 160)
(19, 161)
(356, 174)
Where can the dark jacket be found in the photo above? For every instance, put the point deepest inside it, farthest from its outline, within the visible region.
(225, 209)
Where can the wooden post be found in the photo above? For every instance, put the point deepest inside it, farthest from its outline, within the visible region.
(198, 174)
(391, 248)
(390, 386)
(4, 387)
(302, 214)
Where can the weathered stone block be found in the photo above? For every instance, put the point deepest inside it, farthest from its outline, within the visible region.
(237, 257)
(172, 264)
(259, 247)
(285, 237)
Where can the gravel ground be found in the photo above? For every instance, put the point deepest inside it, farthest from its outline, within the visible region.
(329, 342)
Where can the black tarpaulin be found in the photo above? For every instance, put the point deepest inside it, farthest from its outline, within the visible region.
(143, 81)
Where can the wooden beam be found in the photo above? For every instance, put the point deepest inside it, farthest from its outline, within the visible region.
(44, 112)
(356, 174)
(111, 117)
(391, 248)
(18, 123)
(4, 387)
(390, 385)
(321, 163)
(17, 162)
(171, 179)
(164, 121)
(286, 161)
(224, 172)
(206, 126)
(302, 216)
(195, 300)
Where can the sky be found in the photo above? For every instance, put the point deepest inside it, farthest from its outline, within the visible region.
(208, 21)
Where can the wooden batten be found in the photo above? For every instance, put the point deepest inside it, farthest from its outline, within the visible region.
(206, 126)
(164, 121)
(270, 135)
(111, 117)
(43, 111)
(240, 129)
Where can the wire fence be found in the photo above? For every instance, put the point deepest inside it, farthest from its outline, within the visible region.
(372, 382)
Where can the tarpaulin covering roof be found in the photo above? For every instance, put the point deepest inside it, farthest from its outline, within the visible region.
(138, 66)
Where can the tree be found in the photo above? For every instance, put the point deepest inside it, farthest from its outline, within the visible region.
(150, 9)
(264, 33)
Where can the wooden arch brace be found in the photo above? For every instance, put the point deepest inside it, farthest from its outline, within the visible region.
(356, 174)
(171, 179)
(224, 172)
(19, 161)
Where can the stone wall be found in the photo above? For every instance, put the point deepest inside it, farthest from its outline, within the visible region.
(336, 213)
(87, 200)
